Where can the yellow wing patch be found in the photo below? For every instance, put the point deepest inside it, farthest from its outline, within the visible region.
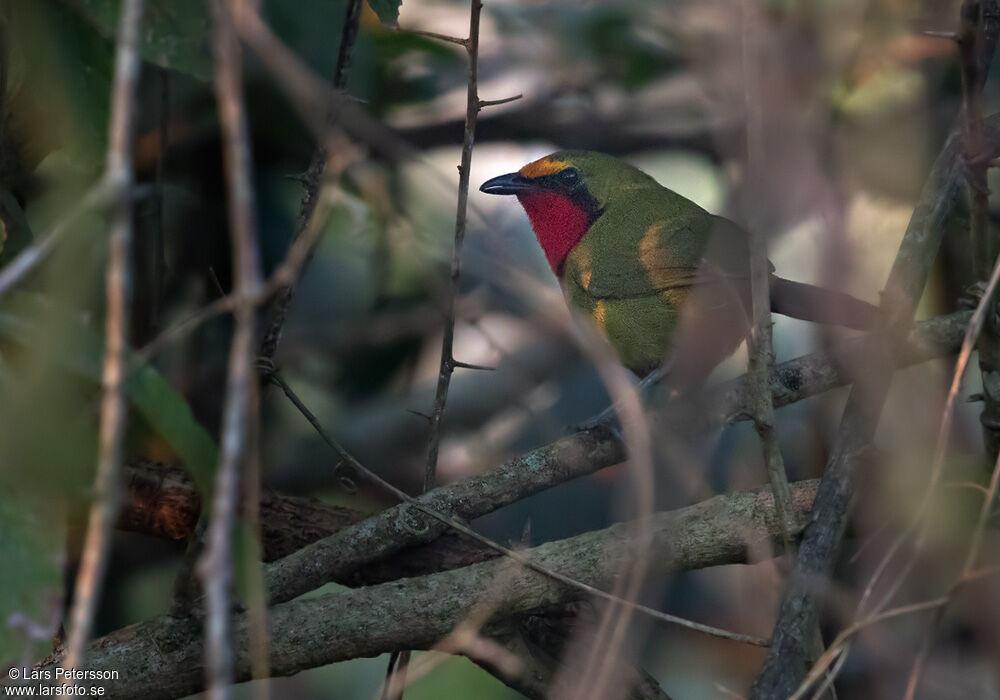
(583, 264)
(601, 315)
(650, 254)
(543, 166)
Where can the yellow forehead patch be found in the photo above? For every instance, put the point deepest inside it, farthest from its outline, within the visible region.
(543, 166)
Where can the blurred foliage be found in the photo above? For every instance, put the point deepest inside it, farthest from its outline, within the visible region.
(30, 545)
(164, 411)
(174, 34)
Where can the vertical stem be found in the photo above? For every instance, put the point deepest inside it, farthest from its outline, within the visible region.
(447, 366)
(239, 421)
(760, 342)
(311, 180)
(118, 285)
(983, 256)
(396, 680)
(970, 40)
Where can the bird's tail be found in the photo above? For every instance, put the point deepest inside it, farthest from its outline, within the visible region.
(811, 303)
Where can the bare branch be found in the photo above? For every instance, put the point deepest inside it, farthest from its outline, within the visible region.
(447, 343)
(118, 289)
(311, 181)
(239, 422)
(759, 341)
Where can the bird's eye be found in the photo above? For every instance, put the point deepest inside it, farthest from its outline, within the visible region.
(569, 177)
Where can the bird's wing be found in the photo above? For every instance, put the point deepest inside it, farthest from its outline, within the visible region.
(670, 262)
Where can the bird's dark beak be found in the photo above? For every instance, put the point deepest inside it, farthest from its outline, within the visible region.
(511, 183)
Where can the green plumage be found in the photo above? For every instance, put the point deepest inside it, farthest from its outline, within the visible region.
(659, 275)
(635, 268)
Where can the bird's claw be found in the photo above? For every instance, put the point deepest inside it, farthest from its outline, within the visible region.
(973, 296)
(607, 420)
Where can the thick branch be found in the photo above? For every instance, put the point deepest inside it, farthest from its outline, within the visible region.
(163, 502)
(161, 658)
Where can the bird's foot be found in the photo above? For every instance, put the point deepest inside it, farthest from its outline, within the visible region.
(606, 420)
(973, 296)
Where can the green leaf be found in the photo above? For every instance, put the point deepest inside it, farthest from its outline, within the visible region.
(387, 11)
(150, 394)
(176, 34)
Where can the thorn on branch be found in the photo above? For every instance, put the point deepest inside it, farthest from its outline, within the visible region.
(503, 101)
(468, 365)
(952, 36)
(465, 43)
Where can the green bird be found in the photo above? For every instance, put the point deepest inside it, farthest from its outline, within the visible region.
(662, 278)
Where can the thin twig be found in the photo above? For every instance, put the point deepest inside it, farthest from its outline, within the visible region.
(969, 40)
(970, 561)
(840, 645)
(944, 435)
(105, 192)
(239, 422)
(447, 366)
(435, 35)
(118, 284)
(311, 181)
(760, 342)
(397, 680)
(284, 275)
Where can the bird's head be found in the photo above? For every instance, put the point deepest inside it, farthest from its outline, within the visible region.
(564, 193)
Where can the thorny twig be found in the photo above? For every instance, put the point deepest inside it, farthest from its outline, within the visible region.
(285, 274)
(239, 422)
(311, 181)
(397, 678)
(447, 366)
(118, 284)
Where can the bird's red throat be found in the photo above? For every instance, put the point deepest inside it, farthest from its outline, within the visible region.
(559, 223)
